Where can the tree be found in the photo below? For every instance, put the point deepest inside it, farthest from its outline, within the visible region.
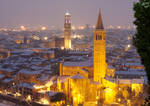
(141, 40)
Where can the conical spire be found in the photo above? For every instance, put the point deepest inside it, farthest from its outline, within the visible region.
(99, 24)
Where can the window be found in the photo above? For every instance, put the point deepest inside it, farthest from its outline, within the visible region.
(98, 37)
(104, 38)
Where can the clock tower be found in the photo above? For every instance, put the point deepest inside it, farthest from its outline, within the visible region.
(99, 50)
(67, 31)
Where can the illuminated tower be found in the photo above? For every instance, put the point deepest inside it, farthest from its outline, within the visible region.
(99, 50)
(67, 31)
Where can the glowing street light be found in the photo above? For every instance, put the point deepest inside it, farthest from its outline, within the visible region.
(81, 27)
(62, 48)
(43, 28)
(96, 102)
(73, 28)
(36, 37)
(75, 99)
(44, 101)
(28, 98)
(97, 97)
(22, 27)
(118, 27)
(129, 38)
(129, 46)
(119, 100)
(45, 38)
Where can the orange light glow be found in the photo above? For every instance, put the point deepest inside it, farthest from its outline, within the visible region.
(43, 28)
(22, 28)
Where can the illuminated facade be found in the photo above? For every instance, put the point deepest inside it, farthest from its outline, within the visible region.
(67, 31)
(96, 84)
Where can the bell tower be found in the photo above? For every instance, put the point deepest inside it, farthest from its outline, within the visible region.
(67, 31)
(99, 50)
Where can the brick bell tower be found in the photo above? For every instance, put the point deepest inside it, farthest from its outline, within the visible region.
(99, 50)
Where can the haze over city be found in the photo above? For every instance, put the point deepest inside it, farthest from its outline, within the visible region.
(51, 12)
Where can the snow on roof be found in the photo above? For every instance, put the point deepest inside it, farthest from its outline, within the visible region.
(24, 71)
(48, 67)
(48, 72)
(43, 77)
(27, 53)
(49, 52)
(131, 72)
(36, 62)
(7, 80)
(131, 81)
(26, 85)
(34, 67)
(79, 52)
(133, 64)
(21, 51)
(6, 104)
(6, 69)
(126, 81)
(145, 79)
(69, 57)
(78, 63)
(40, 48)
(133, 59)
(1, 69)
(110, 66)
(77, 76)
(2, 76)
(63, 79)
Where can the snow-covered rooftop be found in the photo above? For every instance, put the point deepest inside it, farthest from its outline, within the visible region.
(24, 71)
(131, 72)
(7, 80)
(127, 81)
(77, 76)
(79, 63)
(26, 85)
(2, 76)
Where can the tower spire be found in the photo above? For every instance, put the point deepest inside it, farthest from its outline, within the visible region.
(99, 24)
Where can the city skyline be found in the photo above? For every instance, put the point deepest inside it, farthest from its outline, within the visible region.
(75, 63)
(43, 12)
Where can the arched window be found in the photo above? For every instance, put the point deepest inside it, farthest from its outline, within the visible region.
(98, 37)
(104, 38)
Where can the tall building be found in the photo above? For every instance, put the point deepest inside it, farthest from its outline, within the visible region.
(99, 50)
(67, 31)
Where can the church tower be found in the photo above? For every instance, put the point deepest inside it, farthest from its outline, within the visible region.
(99, 50)
(67, 31)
